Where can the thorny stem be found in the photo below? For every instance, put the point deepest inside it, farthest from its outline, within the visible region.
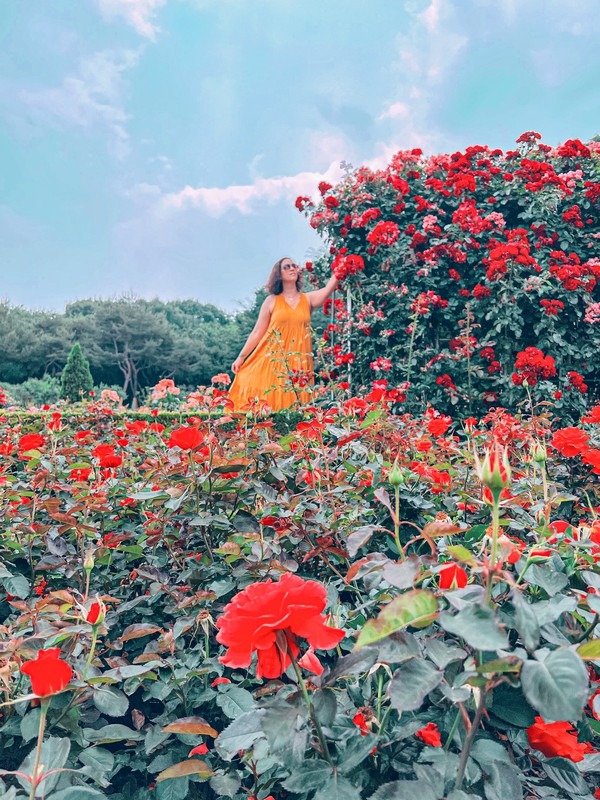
(92, 651)
(311, 711)
(397, 525)
(44, 703)
(466, 749)
(495, 532)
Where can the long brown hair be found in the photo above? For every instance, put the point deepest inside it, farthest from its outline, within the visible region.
(274, 284)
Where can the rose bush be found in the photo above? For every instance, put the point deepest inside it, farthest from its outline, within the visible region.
(476, 274)
(428, 617)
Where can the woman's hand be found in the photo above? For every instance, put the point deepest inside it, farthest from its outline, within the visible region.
(237, 364)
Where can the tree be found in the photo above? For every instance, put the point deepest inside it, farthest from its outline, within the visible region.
(76, 378)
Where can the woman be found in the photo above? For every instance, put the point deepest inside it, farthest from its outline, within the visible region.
(276, 361)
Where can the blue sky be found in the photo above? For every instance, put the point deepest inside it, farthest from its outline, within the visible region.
(156, 147)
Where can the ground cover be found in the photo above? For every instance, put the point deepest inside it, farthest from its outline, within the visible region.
(358, 604)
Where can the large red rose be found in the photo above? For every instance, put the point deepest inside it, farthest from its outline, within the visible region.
(269, 618)
(48, 673)
(186, 438)
(31, 441)
(557, 739)
(570, 441)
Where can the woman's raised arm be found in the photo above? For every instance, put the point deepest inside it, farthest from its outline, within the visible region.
(318, 297)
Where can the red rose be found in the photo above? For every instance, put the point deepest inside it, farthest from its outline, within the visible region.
(31, 441)
(592, 416)
(105, 453)
(557, 739)
(186, 438)
(269, 618)
(451, 576)
(430, 735)
(48, 674)
(199, 750)
(570, 441)
(592, 457)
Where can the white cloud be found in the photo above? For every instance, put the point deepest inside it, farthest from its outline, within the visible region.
(139, 13)
(92, 97)
(243, 198)
(426, 56)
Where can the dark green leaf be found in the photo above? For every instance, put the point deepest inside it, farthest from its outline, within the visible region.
(337, 788)
(557, 686)
(477, 625)
(354, 663)
(510, 705)
(411, 684)
(526, 621)
(405, 790)
(241, 734)
(308, 776)
(325, 706)
(235, 701)
(110, 701)
(565, 774)
(503, 782)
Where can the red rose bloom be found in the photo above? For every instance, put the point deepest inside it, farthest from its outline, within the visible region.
(592, 457)
(31, 441)
(570, 441)
(268, 618)
(452, 577)
(430, 735)
(186, 438)
(557, 739)
(49, 675)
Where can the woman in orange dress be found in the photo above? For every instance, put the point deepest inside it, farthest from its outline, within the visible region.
(276, 360)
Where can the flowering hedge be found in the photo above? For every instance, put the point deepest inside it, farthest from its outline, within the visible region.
(359, 608)
(471, 275)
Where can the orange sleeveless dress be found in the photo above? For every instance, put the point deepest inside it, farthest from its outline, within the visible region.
(281, 365)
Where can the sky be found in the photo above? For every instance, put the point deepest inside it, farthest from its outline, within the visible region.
(155, 148)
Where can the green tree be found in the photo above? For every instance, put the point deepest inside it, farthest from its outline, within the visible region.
(76, 378)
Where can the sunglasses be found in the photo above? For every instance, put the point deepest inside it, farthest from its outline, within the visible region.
(290, 266)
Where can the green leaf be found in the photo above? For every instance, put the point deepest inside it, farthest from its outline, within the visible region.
(411, 684)
(503, 782)
(354, 663)
(589, 651)
(565, 774)
(30, 724)
(110, 701)
(355, 752)
(225, 785)
(510, 705)
(477, 625)
(176, 789)
(281, 723)
(54, 755)
(77, 792)
(241, 734)
(98, 759)
(405, 790)
(526, 621)
(415, 607)
(337, 788)
(308, 776)
(325, 706)
(112, 733)
(460, 553)
(17, 585)
(557, 686)
(235, 701)
(549, 579)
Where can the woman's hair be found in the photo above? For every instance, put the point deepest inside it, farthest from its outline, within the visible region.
(274, 284)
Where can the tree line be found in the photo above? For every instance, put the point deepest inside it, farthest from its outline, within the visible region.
(129, 342)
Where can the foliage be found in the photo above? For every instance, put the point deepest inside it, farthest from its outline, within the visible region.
(468, 275)
(34, 391)
(128, 341)
(467, 593)
(76, 379)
